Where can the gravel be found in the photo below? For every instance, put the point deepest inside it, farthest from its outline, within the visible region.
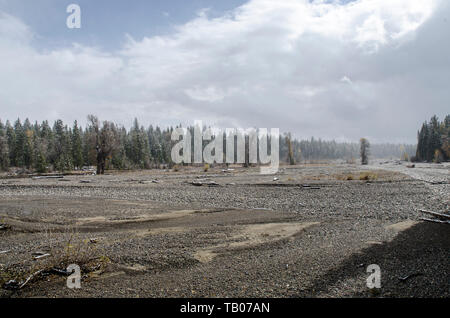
(152, 251)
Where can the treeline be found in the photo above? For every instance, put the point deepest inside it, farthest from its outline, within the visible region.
(42, 147)
(434, 140)
(317, 149)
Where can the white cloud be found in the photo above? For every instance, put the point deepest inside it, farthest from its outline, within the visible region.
(13, 31)
(346, 80)
(268, 64)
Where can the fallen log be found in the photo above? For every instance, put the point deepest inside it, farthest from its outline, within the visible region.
(11, 285)
(441, 215)
(307, 186)
(4, 227)
(39, 255)
(30, 278)
(47, 177)
(404, 279)
(58, 271)
(435, 221)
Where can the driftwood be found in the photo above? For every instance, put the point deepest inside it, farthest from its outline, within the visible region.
(435, 221)
(208, 183)
(57, 271)
(47, 177)
(148, 181)
(30, 278)
(307, 186)
(11, 285)
(404, 279)
(39, 255)
(440, 215)
(4, 227)
(14, 285)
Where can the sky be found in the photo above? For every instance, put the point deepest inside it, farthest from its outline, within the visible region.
(331, 69)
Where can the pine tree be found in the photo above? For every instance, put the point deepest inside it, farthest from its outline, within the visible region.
(77, 146)
(139, 150)
(433, 140)
(28, 144)
(18, 160)
(4, 149)
(11, 137)
(435, 137)
(40, 160)
(61, 147)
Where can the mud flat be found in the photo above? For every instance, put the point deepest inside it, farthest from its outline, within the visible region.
(311, 232)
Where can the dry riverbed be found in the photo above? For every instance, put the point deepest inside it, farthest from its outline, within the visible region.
(309, 231)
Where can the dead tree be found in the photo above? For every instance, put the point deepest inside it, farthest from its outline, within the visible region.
(105, 139)
(364, 151)
(290, 151)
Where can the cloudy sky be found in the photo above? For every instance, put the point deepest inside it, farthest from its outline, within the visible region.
(332, 69)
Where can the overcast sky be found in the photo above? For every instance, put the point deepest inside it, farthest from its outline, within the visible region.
(332, 69)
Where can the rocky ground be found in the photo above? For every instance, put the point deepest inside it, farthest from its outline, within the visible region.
(309, 231)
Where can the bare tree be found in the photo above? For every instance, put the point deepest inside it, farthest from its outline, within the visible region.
(364, 151)
(290, 151)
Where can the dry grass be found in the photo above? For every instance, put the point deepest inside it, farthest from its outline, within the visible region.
(368, 176)
(363, 176)
(63, 249)
(73, 250)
